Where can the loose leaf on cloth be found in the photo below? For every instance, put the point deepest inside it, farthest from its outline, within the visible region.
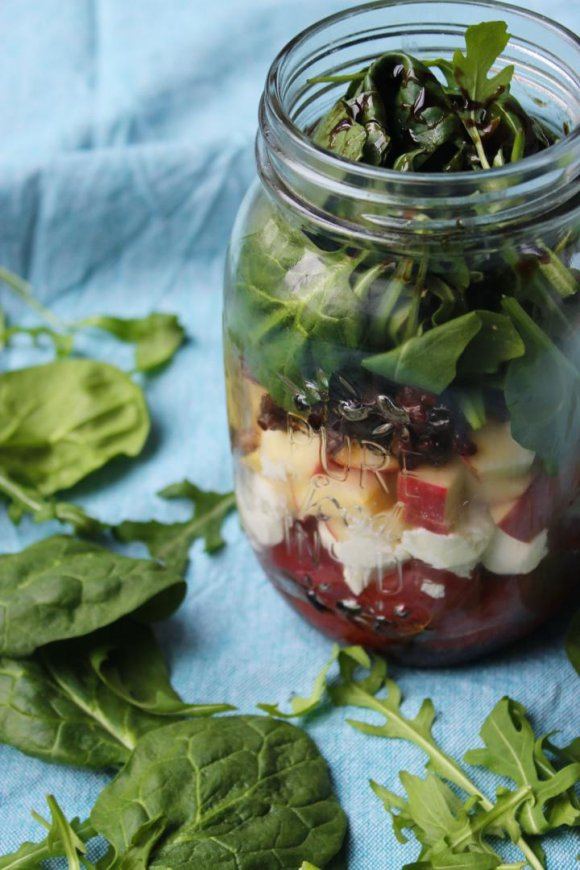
(302, 706)
(130, 664)
(501, 815)
(239, 791)
(27, 500)
(573, 642)
(62, 587)
(511, 751)
(57, 706)
(156, 337)
(64, 839)
(171, 542)
(65, 419)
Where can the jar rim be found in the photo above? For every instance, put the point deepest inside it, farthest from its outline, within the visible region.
(291, 160)
(534, 161)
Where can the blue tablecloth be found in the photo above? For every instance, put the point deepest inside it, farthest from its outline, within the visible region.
(126, 149)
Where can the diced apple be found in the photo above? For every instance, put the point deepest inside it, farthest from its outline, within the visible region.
(498, 454)
(524, 518)
(289, 455)
(433, 497)
(493, 491)
(365, 455)
(358, 493)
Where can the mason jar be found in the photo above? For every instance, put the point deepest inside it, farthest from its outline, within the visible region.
(402, 355)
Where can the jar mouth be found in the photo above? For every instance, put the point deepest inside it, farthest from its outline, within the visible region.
(545, 55)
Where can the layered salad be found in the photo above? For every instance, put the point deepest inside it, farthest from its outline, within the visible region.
(407, 425)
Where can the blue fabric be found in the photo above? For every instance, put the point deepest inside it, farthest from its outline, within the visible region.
(126, 149)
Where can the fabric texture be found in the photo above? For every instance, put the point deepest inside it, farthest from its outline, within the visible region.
(127, 148)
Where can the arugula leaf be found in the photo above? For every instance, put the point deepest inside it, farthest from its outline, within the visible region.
(65, 419)
(498, 817)
(510, 750)
(27, 500)
(62, 587)
(64, 839)
(171, 542)
(428, 361)
(157, 337)
(542, 392)
(131, 666)
(485, 42)
(244, 788)
(573, 642)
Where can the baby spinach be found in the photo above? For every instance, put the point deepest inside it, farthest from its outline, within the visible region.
(171, 542)
(63, 420)
(129, 663)
(156, 337)
(63, 587)
(542, 392)
(236, 791)
(87, 701)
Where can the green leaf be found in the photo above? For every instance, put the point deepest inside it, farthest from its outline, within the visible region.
(55, 706)
(139, 851)
(485, 42)
(63, 587)
(496, 342)
(573, 642)
(61, 421)
(510, 750)
(131, 666)
(27, 500)
(302, 706)
(156, 337)
(542, 392)
(428, 361)
(243, 789)
(64, 839)
(338, 132)
(171, 542)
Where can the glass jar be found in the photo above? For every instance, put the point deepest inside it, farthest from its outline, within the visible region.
(402, 356)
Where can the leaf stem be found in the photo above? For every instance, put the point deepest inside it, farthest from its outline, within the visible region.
(24, 290)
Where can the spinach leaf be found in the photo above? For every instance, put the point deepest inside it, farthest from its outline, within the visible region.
(496, 342)
(542, 392)
(293, 304)
(510, 750)
(338, 131)
(428, 361)
(64, 839)
(139, 852)
(156, 337)
(63, 587)
(573, 642)
(63, 420)
(87, 701)
(171, 542)
(236, 792)
(130, 664)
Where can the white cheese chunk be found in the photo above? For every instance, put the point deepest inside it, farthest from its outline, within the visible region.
(507, 555)
(263, 508)
(458, 552)
(365, 556)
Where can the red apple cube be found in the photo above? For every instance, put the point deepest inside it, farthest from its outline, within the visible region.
(433, 497)
(525, 517)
